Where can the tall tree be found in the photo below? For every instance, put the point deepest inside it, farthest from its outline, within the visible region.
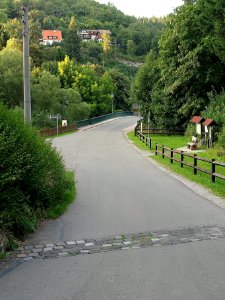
(106, 43)
(72, 40)
(11, 77)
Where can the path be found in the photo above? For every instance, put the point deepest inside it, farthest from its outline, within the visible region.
(126, 204)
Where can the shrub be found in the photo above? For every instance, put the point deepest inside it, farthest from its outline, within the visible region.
(32, 175)
(221, 140)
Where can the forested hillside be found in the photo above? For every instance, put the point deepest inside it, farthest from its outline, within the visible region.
(74, 78)
(187, 76)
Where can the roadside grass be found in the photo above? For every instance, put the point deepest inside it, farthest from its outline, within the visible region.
(4, 255)
(203, 179)
(69, 196)
(168, 141)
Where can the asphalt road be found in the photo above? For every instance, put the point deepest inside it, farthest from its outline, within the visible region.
(120, 192)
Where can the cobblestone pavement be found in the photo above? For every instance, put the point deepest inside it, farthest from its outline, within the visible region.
(122, 242)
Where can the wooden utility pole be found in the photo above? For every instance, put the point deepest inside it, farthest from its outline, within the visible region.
(26, 66)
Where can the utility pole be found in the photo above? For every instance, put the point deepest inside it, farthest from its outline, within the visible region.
(112, 97)
(26, 66)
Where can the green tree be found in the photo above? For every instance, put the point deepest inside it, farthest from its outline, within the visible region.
(46, 93)
(131, 47)
(121, 89)
(143, 86)
(106, 43)
(72, 40)
(11, 77)
(66, 71)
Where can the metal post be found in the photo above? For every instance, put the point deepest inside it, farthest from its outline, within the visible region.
(112, 96)
(26, 66)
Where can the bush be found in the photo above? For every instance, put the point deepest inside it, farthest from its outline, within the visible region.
(221, 140)
(32, 175)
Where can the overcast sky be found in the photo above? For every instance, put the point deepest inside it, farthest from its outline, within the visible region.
(145, 8)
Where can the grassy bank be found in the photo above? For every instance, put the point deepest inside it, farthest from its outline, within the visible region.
(203, 179)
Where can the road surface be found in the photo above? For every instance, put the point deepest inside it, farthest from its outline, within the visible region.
(120, 193)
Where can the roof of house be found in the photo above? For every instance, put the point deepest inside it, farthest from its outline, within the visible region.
(96, 31)
(48, 34)
(105, 31)
(197, 119)
(210, 122)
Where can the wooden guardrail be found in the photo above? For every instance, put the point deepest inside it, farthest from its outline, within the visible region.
(144, 139)
(160, 131)
(169, 153)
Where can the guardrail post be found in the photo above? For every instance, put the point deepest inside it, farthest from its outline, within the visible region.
(195, 164)
(156, 149)
(181, 158)
(163, 152)
(150, 143)
(213, 170)
(171, 155)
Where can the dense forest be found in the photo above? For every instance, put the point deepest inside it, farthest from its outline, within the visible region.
(186, 76)
(74, 78)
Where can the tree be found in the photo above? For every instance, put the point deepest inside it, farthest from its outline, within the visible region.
(143, 86)
(11, 77)
(121, 89)
(66, 71)
(131, 47)
(190, 65)
(46, 93)
(72, 40)
(106, 43)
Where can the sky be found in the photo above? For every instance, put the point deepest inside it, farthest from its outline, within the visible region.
(145, 8)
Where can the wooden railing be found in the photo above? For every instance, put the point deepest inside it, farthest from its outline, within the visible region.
(161, 131)
(144, 139)
(169, 153)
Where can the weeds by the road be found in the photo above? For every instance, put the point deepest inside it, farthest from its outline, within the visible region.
(68, 197)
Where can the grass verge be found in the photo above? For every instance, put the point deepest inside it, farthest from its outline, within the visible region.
(69, 196)
(203, 179)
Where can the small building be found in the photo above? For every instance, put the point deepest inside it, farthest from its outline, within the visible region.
(93, 34)
(209, 125)
(198, 121)
(51, 36)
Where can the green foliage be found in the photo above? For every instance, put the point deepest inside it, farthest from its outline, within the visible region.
(11, 77)
(121, 90)
(221, 140)
(72, 40)
(91, 52)
(189, 67)
(32, 175)
(46, 93)
(216, 108)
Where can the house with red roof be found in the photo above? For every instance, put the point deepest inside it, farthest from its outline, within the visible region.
(51, 36)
